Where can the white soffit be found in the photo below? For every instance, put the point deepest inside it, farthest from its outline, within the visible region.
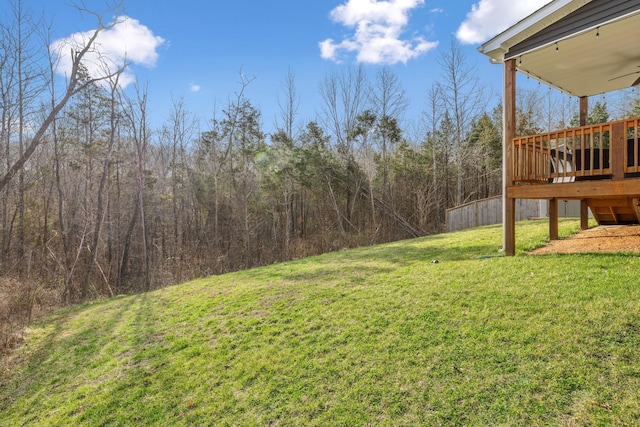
(596, 60)
(600, 60)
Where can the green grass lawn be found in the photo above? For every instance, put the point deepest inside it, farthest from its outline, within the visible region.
(372, 336)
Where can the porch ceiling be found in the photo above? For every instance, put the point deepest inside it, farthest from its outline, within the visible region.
(601, 55)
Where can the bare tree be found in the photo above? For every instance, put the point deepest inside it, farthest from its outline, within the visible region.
(135, 113)
(22, 81)
(75, 84)
(432, 116)
(344, 98)
(106, 168)
(178, 131)
(289, 106)
(389, 102)
(284, 143)
(464, 99)
(30, 76)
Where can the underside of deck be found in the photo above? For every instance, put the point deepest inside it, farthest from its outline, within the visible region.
(610, 202)
(615, 211)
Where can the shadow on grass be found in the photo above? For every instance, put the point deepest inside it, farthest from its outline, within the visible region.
(458, 246)
(411, 253)
(64, 350)
(387, 258)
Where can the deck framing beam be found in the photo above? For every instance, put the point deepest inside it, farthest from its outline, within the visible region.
(602, 189)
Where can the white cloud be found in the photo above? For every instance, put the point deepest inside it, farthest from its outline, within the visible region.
(378, 32)
(127, 41)
(490, 17)
(194, 87)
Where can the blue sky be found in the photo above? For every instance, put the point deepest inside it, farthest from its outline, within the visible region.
(195, 50)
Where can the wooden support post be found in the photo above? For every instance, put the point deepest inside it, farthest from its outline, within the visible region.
(510, 227)
(584, 110)
(618, 145)
(584, 214)
(509, 127)
(553, 219)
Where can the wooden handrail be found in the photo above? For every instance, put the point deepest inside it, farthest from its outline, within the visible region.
(586, 152)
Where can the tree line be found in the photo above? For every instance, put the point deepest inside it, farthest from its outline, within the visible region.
(101, 203)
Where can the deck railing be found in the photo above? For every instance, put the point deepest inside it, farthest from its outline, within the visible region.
(599, 151)
(632, 148)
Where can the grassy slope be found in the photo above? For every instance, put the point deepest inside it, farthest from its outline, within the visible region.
(373, 336)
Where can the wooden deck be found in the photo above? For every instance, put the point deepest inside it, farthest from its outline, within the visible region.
(589, 163)
(598, 164)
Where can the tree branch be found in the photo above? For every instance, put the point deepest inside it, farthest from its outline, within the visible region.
(74, 87)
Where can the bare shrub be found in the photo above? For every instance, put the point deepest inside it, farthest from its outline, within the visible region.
(20, 301)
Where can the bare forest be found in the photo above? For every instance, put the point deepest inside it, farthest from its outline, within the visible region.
(96, 202)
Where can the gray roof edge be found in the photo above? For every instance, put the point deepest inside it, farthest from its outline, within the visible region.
(508, 55)
(498, 46)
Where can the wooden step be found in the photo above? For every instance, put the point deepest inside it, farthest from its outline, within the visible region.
(615, 211)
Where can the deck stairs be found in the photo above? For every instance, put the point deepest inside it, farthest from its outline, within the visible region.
(615, 211)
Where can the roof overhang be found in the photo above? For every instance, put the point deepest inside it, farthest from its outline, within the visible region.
(582, 47)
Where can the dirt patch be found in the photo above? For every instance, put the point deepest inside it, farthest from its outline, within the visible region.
(603, 238)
